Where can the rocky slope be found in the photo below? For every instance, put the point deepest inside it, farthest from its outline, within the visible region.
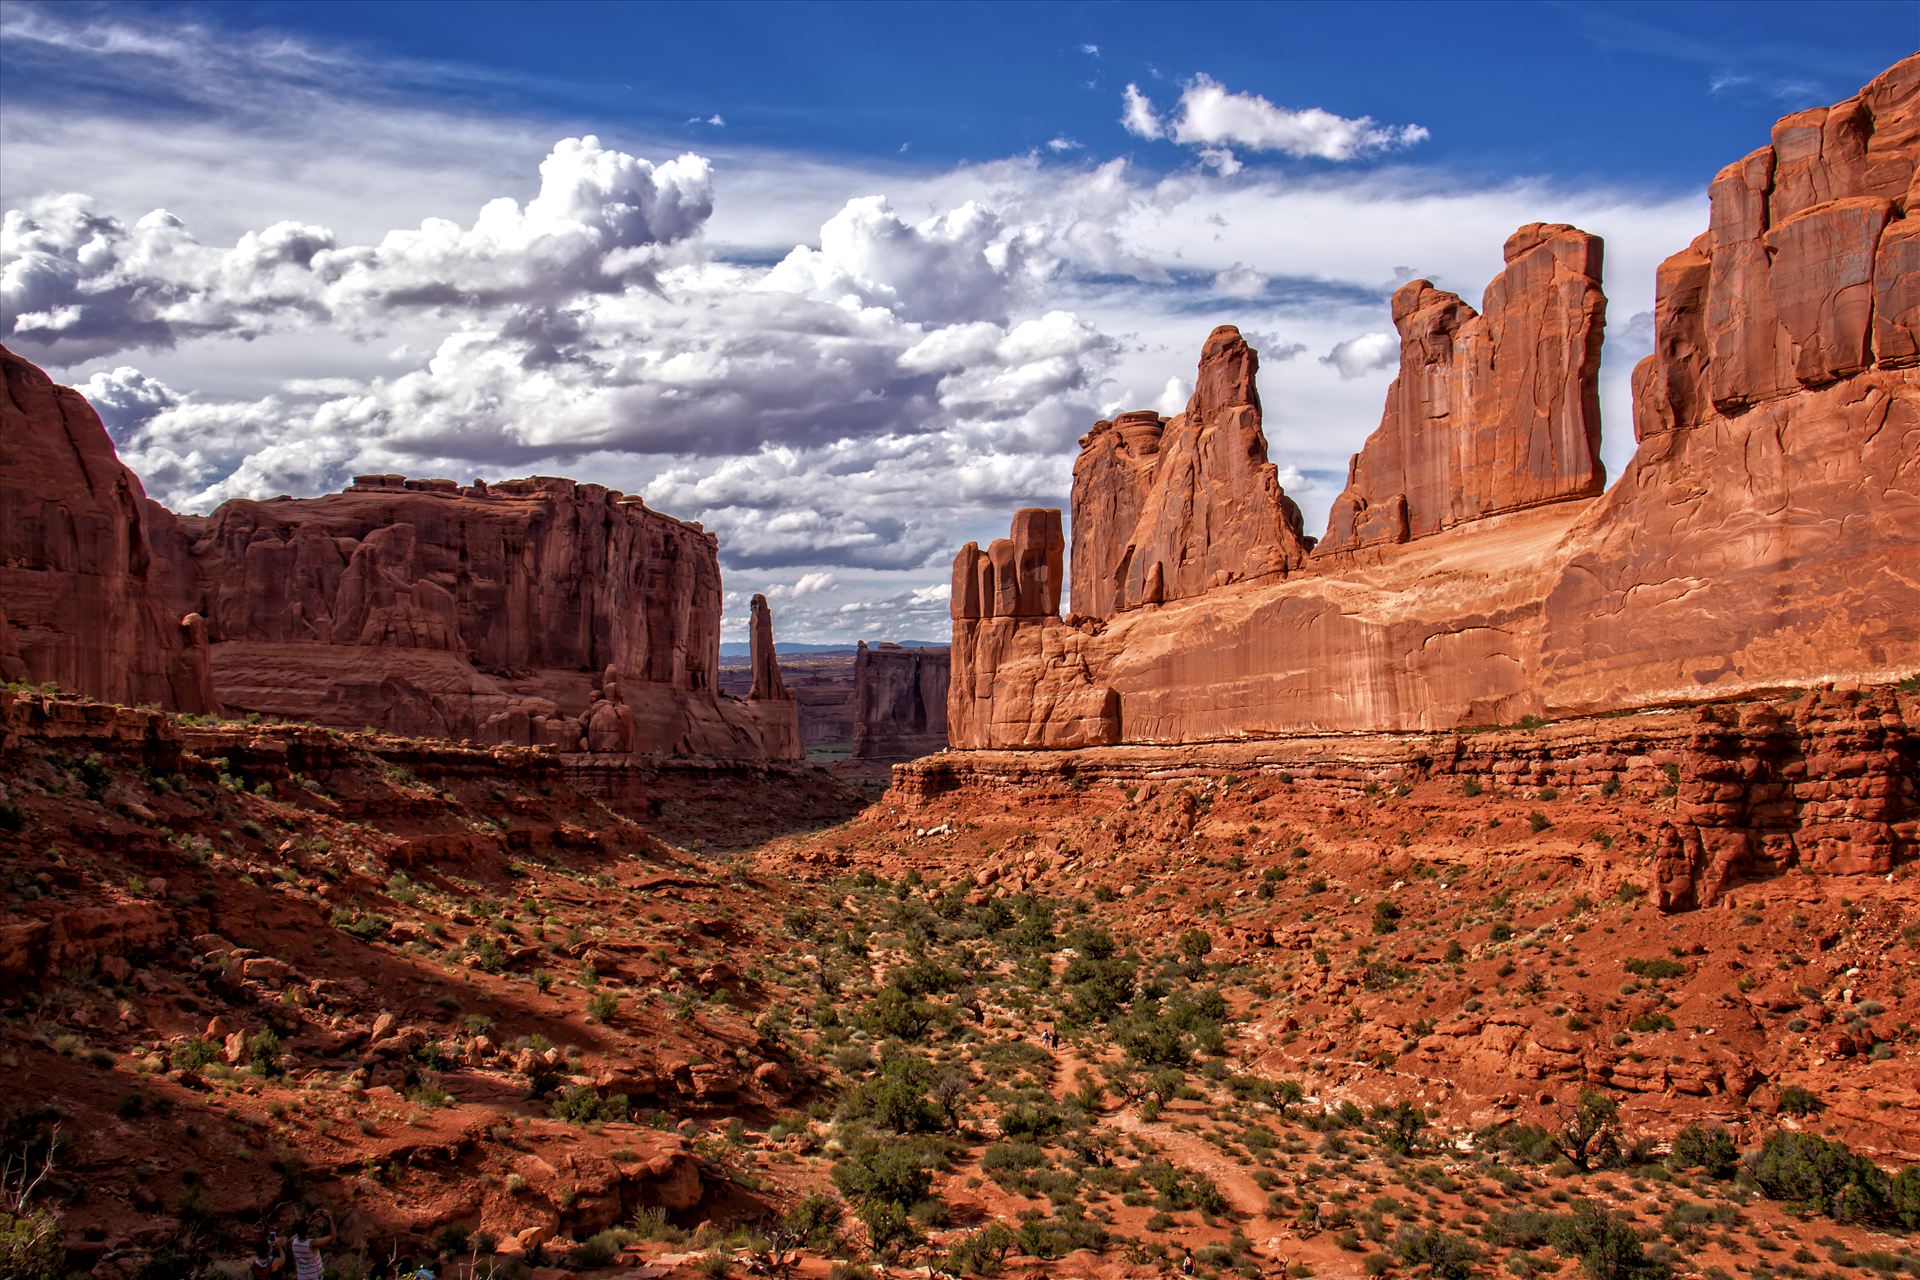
(1763, 535)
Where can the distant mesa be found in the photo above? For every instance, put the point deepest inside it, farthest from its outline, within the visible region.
(534, 612)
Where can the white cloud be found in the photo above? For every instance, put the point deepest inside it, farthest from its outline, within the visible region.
(1357, 357)
(920, 366)
(1138, 117)
(1221, 160)
(1239, 281)
(1091, 50)
(1210, 115)
(1213, 120)
(76, 282)
(1062, 144)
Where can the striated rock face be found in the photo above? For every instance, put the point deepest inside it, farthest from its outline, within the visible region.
(900, 702)
(1493, 410)
(1165, 510)
(530, 612)
(534, 611)
(84, 601)
(1767, 526)
(1018, 674)
(1826, 782)
(1764, 536)
(766, 664)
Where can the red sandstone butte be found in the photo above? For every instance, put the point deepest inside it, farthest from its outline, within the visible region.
(1165, 510)
(530, 612)
(899, 701)
(1765, 535)
(1493, 410)
(84, 599)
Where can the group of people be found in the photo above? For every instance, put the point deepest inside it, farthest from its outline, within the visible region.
(300, 1246)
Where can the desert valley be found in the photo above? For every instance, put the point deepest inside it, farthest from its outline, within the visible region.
(1518, 876)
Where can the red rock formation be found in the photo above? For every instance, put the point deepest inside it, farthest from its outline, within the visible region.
(1765, 535)
(900, 702)
(1492, 411)
(1766, 527)
(767, 684)
(532, 611)
(1167, 510)
(84, 601)
(1018, 675)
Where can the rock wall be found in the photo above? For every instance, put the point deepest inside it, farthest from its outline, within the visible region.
(538, 612)
(1493, 410)
(900, 701)
(85, 602)
(1166, 510)
(1826, 782)
(1018, 674)
(1764, 536)
(530, 612)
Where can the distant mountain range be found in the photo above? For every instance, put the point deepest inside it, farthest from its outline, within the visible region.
(740, 649)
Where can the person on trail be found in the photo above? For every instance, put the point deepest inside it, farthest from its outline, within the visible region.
(269, 1261)
(305, 1248)
(1186, 1263)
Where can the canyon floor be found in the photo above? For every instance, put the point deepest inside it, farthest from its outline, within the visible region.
(1053, 1018)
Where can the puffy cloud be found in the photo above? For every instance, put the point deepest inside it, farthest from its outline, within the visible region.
(1357, 357)
(76, 283)
(1211, 116)
(1062, 144)
(1138, 116)
(1239, 281)
(963, 264)
(1213, 119)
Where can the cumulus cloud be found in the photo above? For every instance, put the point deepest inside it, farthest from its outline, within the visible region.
(1061, 144)
(964, 263)
(1357, 357)
(916, 362)
(1213, 120)
(1239, 281)
(1138, 116)
(77, 283)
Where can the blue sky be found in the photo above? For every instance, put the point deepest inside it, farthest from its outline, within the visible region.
(844, 281)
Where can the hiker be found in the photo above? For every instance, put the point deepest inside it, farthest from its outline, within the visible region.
(269, 1261)
(305, 1248)
(1186, 1263)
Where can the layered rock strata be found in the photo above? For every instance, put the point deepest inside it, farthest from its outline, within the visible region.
(85, 601)
(1765, 535)
(1492, 410)
(531, 612)
(1167, 509)
(1826, 782)
(900, 701)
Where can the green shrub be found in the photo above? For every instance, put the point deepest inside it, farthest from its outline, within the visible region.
(1818, 1175)
(1604, 1243)
(1445, 1257)
(1706, 1147)
(1654, 968)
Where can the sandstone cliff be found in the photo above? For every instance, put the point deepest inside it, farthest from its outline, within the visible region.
(900, 702)
(1764, 536)
(531, 612)
(1165, 510)
(85, 603)
(1492, 410)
